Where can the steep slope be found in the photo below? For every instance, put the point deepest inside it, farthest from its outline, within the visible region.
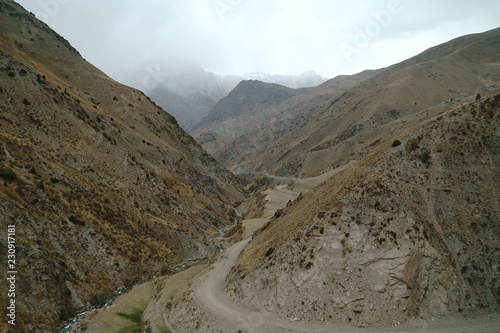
(108, 188)
(321, 132)
(409, 231)
(247, 108)
(253, 107)
(184, 89)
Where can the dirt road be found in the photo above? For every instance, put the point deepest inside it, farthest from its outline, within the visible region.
(212, 296)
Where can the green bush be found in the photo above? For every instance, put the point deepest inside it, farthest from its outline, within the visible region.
(7, 173)
(396, 143)
(135, 316)
(66, 312)
(425, 157)
(269, 252)
(98, 299)
(165, 269)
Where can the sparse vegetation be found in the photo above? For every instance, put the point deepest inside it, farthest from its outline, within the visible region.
(165, 268)
(7, 173)
(66, 312)
(153, 212)
(425, 157)
(135, 317)
(396, 143)
(99, 299)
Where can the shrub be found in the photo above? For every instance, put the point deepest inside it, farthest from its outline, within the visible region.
(425, 157)
(269, 252)
(98, 299)
(66, 312)
(39, 79)
(26, 102)
(76, 220)
(396, 143)
(478, 96)
(164, 269)
(7, 173)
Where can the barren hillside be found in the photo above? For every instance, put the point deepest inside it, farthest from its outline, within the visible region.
(409, 231)
(322, 126)
(102, 185)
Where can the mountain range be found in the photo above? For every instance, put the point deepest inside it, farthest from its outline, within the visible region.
(374, 197)
(322, 126)
(189, 92)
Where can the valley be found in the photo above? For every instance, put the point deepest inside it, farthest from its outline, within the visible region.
(196, 300)
(365, 203)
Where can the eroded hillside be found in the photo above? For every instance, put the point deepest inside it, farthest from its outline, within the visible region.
(321, 127)
(409, 231)
(107, 186)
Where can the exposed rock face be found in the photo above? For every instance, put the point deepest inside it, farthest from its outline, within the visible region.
(409, 231)
(109, 188)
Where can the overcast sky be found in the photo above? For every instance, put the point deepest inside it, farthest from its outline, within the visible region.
(275, 36)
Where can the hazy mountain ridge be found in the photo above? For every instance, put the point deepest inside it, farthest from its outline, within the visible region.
(184, 90)
(189, 92)
(304, 80)
(300, 140)
(108, 187)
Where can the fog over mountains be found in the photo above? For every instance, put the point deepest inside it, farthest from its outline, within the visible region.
(188, 92)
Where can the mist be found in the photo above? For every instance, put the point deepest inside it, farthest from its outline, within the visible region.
(243, 36)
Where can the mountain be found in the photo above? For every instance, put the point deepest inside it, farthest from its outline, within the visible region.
(247, 108)
(409, 231)
(402, 226)
(188, 92)
(303, 80)
(183, 89)
(102, 185)
(331, 123)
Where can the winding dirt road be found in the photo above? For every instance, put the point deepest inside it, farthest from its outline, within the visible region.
(212, 296)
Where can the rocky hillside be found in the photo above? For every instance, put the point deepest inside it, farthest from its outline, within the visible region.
(408, 231)
(323, 126)
(247, 108)
(102, 185)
